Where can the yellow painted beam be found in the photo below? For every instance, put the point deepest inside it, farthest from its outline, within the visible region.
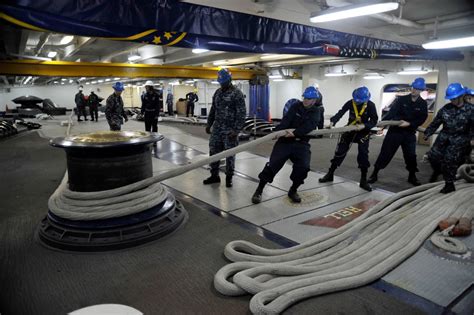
(90, 69)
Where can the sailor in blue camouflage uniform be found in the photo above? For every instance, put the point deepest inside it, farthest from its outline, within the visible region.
(361, 112)
(304, 117)
(226, 118)
(454, 140)
(412, 111)
(114, 108)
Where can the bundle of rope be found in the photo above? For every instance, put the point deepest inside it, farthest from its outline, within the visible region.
(141, 195)
(147, 193)
(353, 255)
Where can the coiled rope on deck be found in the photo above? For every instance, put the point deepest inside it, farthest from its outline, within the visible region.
(147, 193)
(353, 255)
(141, 195)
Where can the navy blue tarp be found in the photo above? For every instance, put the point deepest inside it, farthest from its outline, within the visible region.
(171, 22)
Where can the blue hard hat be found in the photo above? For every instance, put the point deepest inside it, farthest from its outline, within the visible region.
(311, 93)
(455, 90)
(361, 95)
(118, 86)
(469, 91)
(224, 76)
(419, 84)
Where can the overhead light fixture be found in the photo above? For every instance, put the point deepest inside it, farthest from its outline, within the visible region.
(28, 80)
(82, 78)
(374, 76)
(87, 83)
(100, 81)
(413, 72)
(278, 80)
(52, 54)
(70, 81)
(55, 82)
(351, 11)
(116, 78)
(107, 80)
(335, 74)
(66, 39)
(275, 76)
(134, 57)
(450, 43)
(63, 79)
(199, 50)
(214, 82)
(94, 82)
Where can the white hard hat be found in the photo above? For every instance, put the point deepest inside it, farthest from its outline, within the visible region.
(149, 83)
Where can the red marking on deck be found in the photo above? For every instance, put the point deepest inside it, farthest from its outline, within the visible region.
(343, 216)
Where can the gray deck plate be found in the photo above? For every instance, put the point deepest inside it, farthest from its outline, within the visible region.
(292, 228)
(252, 167)
(433, 277)
(218, 195)
(281, 208)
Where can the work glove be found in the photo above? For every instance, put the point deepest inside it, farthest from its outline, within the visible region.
(208, 130)
(289, 134)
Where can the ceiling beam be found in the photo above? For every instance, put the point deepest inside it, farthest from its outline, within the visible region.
(89, 69)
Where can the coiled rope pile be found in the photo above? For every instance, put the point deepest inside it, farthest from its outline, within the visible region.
(354, 255)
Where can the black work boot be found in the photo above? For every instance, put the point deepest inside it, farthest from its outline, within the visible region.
(257, 196)
(294, 196)
(448, 187)
(413, 180)
(329, 177)
(228, 181)
(212, 179)
(363, 181)
(374, 177)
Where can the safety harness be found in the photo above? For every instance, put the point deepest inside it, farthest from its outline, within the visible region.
(358, 115)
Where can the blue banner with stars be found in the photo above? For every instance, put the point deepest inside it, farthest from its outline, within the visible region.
(176, 23)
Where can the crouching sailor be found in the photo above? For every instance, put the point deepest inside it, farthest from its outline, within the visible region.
(361, 112)
(303, 117)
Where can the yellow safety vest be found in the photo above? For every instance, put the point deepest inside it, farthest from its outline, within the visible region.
(358, 114)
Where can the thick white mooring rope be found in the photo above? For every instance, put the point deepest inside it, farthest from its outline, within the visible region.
(141, 195)
(147, 193)
(353, 255)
